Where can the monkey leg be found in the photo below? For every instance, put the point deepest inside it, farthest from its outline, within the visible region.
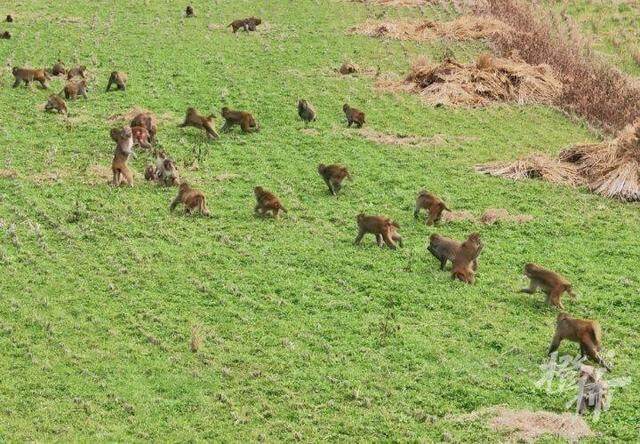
(211, 133)
(379, 240)
(416, 212)
(359, 237)
(358, 124)
(349, 123)
(108, 85)
(116, 178)
(398, 239)
(532, 288)
(555, 343)
(16, 83)
(128, 175)
(554, 297)
(84, 94)
(431, 219)
(337, 186)
(474, 264)
(226, 127)
(174, 203)
(388, 240)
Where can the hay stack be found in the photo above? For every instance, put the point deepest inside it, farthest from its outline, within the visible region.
(490, 79)
(536, 166)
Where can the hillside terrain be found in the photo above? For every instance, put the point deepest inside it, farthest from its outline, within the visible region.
(304, 336)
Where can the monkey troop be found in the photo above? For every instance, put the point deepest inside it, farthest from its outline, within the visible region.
(27, 75)
(164, 171)
(353, 116)
(119, 79)
(74, 89)
(333, 175)
(432, 204)
(78, 71)
(465, 259)
(306, 111)
(551, 283)
(585, 332)
(192, 199)
(381, 227)
(124, 148)
(247, 24)
(194, 119)
(148, 121)
(267, 202)
(56, 102)
(244, 119)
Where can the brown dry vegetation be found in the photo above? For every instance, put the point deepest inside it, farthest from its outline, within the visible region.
(462, 28)
(489, 217)
(490, 79)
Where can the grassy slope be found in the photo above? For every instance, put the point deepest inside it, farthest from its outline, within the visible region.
(305, 334)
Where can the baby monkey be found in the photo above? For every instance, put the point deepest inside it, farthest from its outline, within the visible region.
(192, 199)
(119, 79)
(244, 119)
(585, 332)
(551, 283)
(141, 137)
(465, 260)
(353, 116)
(306, 111)
(56, 102)
(27, 75)
(381, 227)
(267, 202)
(194, 119)
(432, 204)
(333, 175)
(148, 121)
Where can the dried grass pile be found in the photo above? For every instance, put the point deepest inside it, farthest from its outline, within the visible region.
(490, 79)
(610, 168)
(402, 3)
(462, 28)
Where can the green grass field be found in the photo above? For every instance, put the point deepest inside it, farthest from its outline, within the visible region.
(305, 336)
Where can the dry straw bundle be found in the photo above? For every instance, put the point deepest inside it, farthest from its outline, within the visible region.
(462, 28)
(610, 168)
(490, 79)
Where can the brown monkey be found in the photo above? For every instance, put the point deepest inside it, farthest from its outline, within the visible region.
(124, 148)
(550, 282)
(164, 171)
(247, 24)
(119, 79)
(267, 201)
(191, 198)
(381, 227)
(5, 35)
(140, 136)
(306, 111)
(585, 332)
(58, 68)
(29, 75)
(333, 175)
(353, 116)
(148, 121)
(194, 119)
(74, 89)
(56, 102)
(189, 12)
(244, 119)
(150, 172)
(432, 204)
(78, 71)
(9, 18)
(465, 259)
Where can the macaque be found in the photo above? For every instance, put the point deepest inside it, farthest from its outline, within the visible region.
(464, 262)
(585, 332)
(244, 119)
(381, 227)
(333, 175)
(9, 18)
(189, 12)
(119, 79)
(29, 75)
(140, 136)
(306, 111)
(74, 89)
(267, 202)
(148, 121)
(550, 282)
(353, 116)
(432, 204)
(5, 35)
(194, 119)
(124, 148)
(78, 71)
(191, 198)
(165, 171)
(58, 68)
(247, 24)
(56, 102)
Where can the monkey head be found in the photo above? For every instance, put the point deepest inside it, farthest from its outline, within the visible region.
(258, 191)
(345, 107)
(321, 168)
(529, 269)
